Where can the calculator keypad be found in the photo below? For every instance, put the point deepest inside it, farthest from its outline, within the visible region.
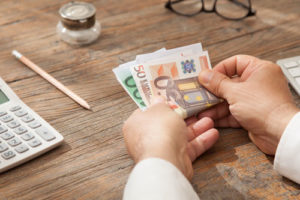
(13, 124)
(14, 142)
(8, 154)
(21, 148)
(7, 135)
(18, 130)
(2, 113)
(291, 69)
(2, 129)
(45, 134)
(20, 113)
(27, 136)
(27, 118)
(34, 124)
(6, 118)
(298, 80)
(3, 147)
(34, 142)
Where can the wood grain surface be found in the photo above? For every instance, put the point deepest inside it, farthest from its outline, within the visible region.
(93, 163)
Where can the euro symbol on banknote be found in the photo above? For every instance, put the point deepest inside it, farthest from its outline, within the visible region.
(186, 93)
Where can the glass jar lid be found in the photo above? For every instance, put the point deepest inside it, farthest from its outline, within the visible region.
(78, 15)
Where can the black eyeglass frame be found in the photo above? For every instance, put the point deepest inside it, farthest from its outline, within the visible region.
(250, 13)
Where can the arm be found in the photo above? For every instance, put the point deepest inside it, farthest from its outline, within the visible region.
(154, 178)
(257, 99)
(287, 159)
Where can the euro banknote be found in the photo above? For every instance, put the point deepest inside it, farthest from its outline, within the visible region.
(169, 73)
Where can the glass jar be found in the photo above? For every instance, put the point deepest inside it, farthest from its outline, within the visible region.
(78, 24)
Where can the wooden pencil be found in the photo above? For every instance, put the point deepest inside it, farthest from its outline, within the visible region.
(51, 79)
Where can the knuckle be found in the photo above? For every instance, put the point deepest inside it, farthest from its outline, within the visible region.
(219, 87)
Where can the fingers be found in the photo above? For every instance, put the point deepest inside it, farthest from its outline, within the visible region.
(228, 121)
(218, 111)
(202, 143)
(199, 127)
(216, 82)
(157, 100)
(191, 120)
(235, 65)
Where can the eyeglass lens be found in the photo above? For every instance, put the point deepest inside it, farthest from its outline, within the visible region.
(186, 7)
(233, 9)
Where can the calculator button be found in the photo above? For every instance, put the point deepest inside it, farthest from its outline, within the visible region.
(27, 136)
(15, 108)
(34, 124)
(295, 71)
(8, 154)
(290, 64)
(2, 113)
(27, 118)
(6, 118)
(2, 129)
(34, 143)
(298, 80)
(20, 130)
(3, 147)
(13, 124)
(21, 148)
(45, 133)
(21, 113)
(14, 142)
(7, 135)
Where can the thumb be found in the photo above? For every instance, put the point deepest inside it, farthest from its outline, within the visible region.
(216, 82)
(157, 100)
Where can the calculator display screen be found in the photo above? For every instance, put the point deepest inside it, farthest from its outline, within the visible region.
(3, 97)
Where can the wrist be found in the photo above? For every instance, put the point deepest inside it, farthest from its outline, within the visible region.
(177, 156)
(278, 120)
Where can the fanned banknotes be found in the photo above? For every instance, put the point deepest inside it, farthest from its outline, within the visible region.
(172, 74)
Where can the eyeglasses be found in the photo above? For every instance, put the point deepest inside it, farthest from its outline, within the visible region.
(227, 9)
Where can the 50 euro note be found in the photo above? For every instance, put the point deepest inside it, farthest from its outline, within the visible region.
(177, 81)
(138, 71)
(126, 80)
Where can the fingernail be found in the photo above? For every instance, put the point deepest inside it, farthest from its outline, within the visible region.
(157, 100)
(205, 76)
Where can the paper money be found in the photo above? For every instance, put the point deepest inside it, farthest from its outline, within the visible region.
(177, 81)
(126, 80)
(172, 74)
(138, 71)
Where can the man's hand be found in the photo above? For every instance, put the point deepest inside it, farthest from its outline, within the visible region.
(257, 98)
(160, 132)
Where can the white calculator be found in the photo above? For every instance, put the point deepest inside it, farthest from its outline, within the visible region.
(23, 133)
(291, 69)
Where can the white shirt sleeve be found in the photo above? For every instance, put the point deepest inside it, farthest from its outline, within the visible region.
(287, 157)
(157, 179)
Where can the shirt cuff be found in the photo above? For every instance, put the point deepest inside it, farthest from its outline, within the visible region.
(287, 159)
(155, 178)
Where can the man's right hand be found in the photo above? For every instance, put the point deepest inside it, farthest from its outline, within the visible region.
(257, 98)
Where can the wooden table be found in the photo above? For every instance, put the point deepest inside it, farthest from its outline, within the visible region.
(93, 163)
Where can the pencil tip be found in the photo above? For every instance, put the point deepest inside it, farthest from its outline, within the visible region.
(87, 106)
